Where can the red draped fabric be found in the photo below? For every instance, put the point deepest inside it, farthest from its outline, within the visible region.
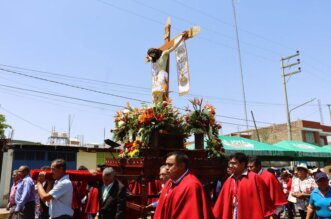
(75, 175)
(92, 203)
(275, 189)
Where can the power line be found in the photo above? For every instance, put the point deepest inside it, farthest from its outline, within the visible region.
(206, 14)
(194, 95)
(246, 31)
(25, 120)
(72, 77)
(73, 86)
(38, 97)
(78, 87)
(158, 22)
(139, 87)
(218, 33)
(63, 96)
(84, 100)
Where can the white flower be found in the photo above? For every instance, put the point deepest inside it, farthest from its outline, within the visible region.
(126, 111)
(121, 123)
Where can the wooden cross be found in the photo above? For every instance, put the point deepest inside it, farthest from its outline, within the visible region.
(168, 43)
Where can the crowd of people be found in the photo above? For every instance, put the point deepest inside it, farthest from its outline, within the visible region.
(247, 192)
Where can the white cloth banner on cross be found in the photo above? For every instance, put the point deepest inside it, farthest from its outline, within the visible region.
(183, 73)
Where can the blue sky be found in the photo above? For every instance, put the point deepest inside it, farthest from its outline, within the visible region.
(101, 45)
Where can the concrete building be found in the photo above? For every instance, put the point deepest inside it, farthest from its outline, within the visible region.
(302, 130)
(36, 155)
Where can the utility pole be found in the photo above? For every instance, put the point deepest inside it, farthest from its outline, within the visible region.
(240, 63)
(69, 127)
(285, 74)
(329, 106)
(104, 137)
(257, 131)
(320, 110)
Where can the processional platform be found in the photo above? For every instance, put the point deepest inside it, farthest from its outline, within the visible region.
(143, 172)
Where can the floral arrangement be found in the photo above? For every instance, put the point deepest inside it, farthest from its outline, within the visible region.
(133, 126)
(201, 120)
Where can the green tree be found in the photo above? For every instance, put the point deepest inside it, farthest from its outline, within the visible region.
(3, 126)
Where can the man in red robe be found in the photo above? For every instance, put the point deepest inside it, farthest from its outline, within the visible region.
(244, 194)
(275, 190)
(182, 196)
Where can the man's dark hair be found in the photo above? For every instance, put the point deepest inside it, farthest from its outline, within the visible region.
(60, 163)
(154, 53)
(82, 167)
(270, 170)
(255, 160)
(180, 157)
(44, 168)
(240, 157)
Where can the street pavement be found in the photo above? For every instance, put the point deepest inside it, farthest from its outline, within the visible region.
(3, 214)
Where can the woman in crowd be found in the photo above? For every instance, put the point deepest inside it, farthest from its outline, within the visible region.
(286, 182)
(320, 198)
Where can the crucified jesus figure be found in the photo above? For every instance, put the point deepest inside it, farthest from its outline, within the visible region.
(160, 76)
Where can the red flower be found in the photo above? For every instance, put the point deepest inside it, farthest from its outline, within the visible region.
(128, 144)
(150, 111)
(159, 118)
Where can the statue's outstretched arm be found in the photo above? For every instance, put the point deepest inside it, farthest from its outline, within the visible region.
(183, 36)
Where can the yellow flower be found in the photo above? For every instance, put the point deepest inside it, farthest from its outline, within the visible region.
(133, 153)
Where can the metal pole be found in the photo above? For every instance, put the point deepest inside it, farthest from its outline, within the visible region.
(104, 137)
(329, 105)
(320, 110)
(240, 63)
(286, 103)
(257, 132)
(69, 129)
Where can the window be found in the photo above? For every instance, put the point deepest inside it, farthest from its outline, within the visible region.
(310, 137)
(323, 141)
(19, 155)
(52, 156)
(71, 157)
(61, 156)
(29, 155)
(40, 155)
(67, 156)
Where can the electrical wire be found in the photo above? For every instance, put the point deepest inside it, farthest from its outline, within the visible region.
(74, 86)
(63, 96)
(25, 120)
(88, 80)
(89, 101)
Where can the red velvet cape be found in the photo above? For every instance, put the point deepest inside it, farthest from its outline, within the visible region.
(253, 199)
(275, 189)
(92, 203)
(185, 200)
(74, 175)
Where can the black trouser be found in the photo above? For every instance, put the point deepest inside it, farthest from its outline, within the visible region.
(290, 210)
(29, 210)
(303, 214)
(62, 217)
